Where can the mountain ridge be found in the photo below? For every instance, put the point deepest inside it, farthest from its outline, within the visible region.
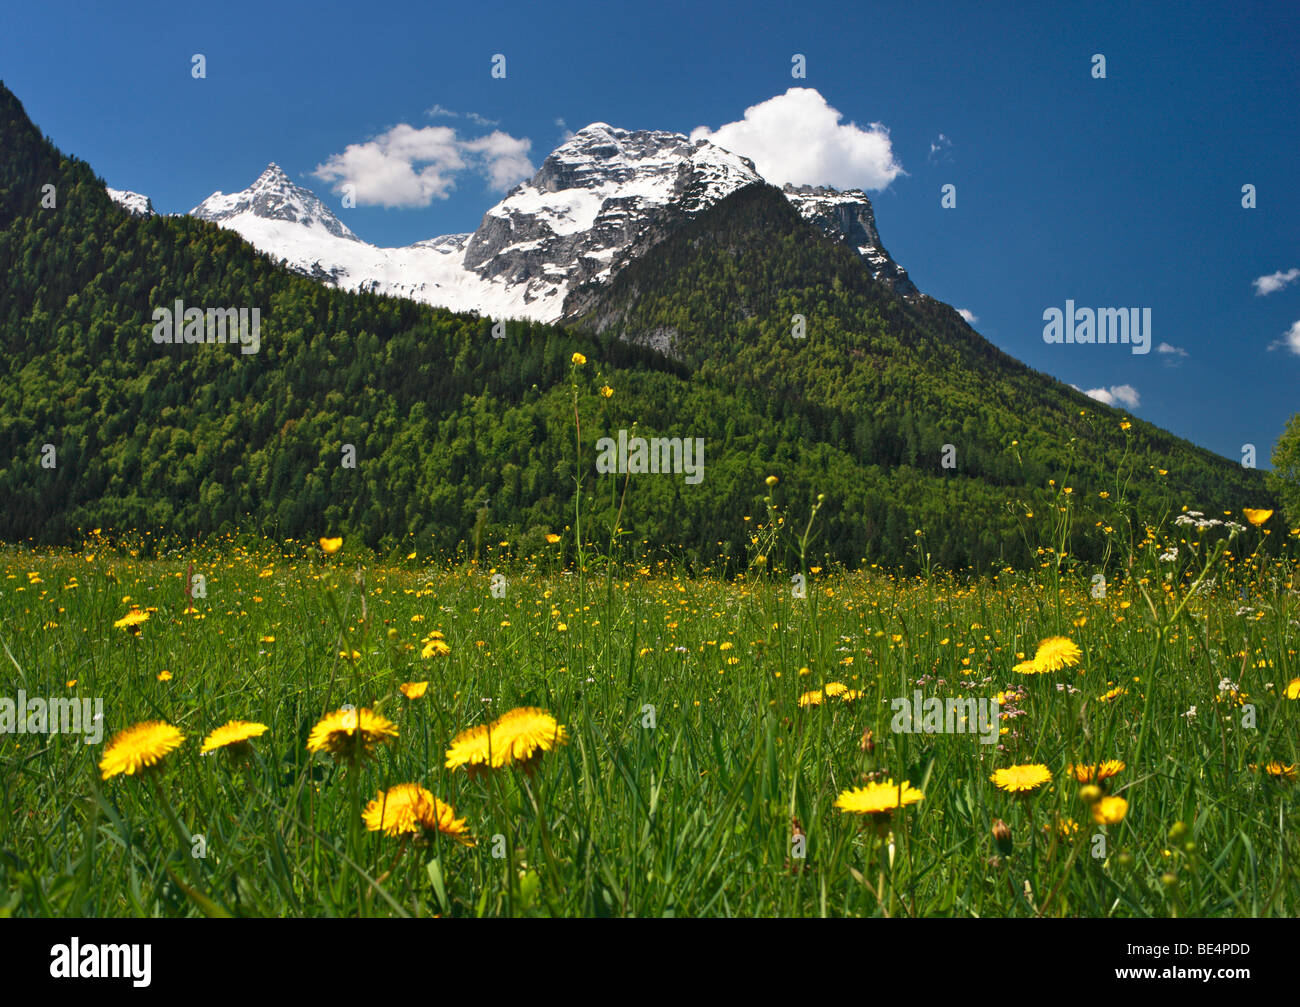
(583, 214)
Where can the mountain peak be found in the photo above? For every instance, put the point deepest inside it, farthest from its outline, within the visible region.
(273, 197)
(273, 174)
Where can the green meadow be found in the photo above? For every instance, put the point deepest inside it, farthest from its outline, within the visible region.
(711, 721)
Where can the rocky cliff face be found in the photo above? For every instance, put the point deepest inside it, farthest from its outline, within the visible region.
(847, 216)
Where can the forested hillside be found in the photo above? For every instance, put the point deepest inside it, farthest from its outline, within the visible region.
(185, 440)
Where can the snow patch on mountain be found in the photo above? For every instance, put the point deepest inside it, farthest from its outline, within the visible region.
(132, 202)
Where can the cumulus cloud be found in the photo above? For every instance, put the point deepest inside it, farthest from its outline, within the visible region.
(970, 316)
(1290, 339)
(505, 158)
(1168, 348)
(1124, 394)
(407, 166)
(797, 137)
(940, 149)
(1271, 284)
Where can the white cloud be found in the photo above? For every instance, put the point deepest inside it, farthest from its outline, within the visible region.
(797, 137)
(1177, 351)
(940, 149)
(482, 120)
(1271, 284)
(506, 160)
(970, 316)
(1125, 394)
(412, 167)
(1290, 339)
(438, 110)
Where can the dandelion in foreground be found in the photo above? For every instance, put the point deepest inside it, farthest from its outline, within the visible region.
(1293, 689)
(523, 734)
(1256, 517)
(578, 359)
(1109, 810)
(414, 690)
(347, 733)
(878, 799)
(138, 748)
(1096, 773)
(1054, 653)
(813, 698)
(329, 546)
(835, 688)
(233, 734)
(1021, 779)
(518, 737)
(409, 809)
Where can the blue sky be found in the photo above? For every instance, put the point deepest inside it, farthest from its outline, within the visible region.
(1115, 192)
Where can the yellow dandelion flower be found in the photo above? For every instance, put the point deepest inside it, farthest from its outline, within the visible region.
(1112, 694)
(523, 734)
(409, 808)
(880, 798)
(813, 698)
(578, 359)
(346, 733)
(1021, 779)
(435, 647)
(470, 748)
(1109, 810)
(233, 732)
(1293, 689)
(132, 621)
(1279, 770)
(1101, 771)
(1256, 517)
(552, 538)
(329, 546)
(851, 695)
(164, 675)
(413, 690)
(606, 392)
(1054, 653)
(138, 748)
(835, 688)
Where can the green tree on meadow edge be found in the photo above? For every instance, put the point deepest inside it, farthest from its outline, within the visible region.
(1284, 480)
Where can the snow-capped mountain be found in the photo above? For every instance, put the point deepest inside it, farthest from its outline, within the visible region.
(132, 202)
(573, 222)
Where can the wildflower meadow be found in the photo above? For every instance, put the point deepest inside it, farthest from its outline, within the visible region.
(291, 728)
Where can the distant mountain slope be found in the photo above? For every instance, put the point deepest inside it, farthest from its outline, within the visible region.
(901, 377)
(101, 426)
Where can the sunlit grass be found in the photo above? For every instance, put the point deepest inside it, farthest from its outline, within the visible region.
(692, 781)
